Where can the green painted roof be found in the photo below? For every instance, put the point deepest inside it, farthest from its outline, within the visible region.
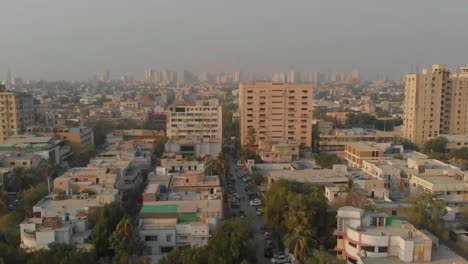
(393, 222)
(160, 209)
(187, 218)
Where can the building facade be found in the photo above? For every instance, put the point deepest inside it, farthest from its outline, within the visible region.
(16, 112)
(201, 121)
(435, 103)
(276, 111)
(367, 235)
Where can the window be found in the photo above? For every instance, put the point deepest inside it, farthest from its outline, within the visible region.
(382, 249)
(151, 238)
(368, 249)
(168, 238)
(352, 244)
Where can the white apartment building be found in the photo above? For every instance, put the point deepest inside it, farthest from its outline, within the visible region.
(201, 121)
(179, 212)
(61, 219)
(363, 235)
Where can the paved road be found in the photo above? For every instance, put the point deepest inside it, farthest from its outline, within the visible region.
(255, 221)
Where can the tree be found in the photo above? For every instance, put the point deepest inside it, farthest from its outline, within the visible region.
(160, 146)
(461, 154)
(257, 178)
(299, 239)
(326, 160)
(323, 257)
(351, 195)
(252, 135)
(435, 145)
(426, 212)
(219, 165)
(125, 241)
(30, 197)
(231, 243)
(407, 144)
(22, 178)
(298, 212)
(106, 223)
(62, 254)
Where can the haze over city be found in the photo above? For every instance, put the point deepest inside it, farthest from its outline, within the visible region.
(233, 132)
(75, 40)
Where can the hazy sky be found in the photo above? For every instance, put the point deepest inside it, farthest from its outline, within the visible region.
(75, 39)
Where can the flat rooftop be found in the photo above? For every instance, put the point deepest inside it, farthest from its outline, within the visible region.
(363, 146)
(58, 205)
(440, 255)
(312, 176)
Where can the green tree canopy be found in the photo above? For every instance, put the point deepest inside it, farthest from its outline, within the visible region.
(327, 161)
(106, 223)
(426, 212)
(437, 145)
(232, 243)
(461, 154)
(299, 213)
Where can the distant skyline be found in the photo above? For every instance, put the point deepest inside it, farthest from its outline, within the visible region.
(74, 40)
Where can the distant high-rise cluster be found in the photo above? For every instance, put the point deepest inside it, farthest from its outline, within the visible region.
(183, 77)
(435, 103)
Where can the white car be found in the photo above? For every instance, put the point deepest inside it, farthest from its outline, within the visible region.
(267, 235)
(255, 202)
(239, 163)
(280, 258)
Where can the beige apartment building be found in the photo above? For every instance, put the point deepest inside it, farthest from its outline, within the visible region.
(277, 111)
(16, 112)
(200, 121)
(435, 103)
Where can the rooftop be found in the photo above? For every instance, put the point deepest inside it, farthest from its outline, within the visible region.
(368, 146)
(312, 176)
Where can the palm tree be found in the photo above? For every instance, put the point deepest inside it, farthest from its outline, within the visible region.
(124, 228)
(299, 238)
(355, 196)
(218, 166)
(252, 135)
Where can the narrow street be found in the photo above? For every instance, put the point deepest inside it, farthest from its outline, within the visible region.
(255, 221)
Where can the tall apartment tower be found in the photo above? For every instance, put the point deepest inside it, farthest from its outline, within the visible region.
(16, 113)
(435, 103)
(277, 111)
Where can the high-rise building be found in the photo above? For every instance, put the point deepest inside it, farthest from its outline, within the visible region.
(149, 75)
(435, 103)
(17, 113)
(277, 111)
(293, 77)
(279, 77)
(203, 77)
(105, 76)
(236, 77)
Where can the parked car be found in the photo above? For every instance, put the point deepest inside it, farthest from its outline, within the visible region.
(280, 260)
(255, 202)
(239, 163)
(267, 235)
(267, 252)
